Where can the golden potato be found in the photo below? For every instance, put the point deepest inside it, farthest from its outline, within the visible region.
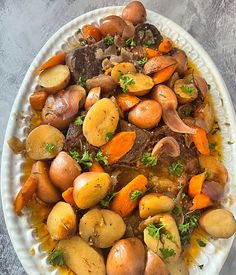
(134, 12)
(63, 170)
(181, 59)
(90, 188)
(61, 221)
(101, 228)
(186, 92)
(55, 78)
(101, 119)
(158, 63)
(127, 257)
(112, 25)
(92, 97)
(38, 99)
(81, 258)
(178, 268)
(44, 142)
(152, 204)
(122, 68)
(155, 265)
(218, 223)
(105, 82)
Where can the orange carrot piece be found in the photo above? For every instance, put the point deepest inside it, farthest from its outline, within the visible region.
(26, 193)
(164, 74)
(201, 201)
(151, 53)
(96, 167)
(195, 184)
(126, 101)
(90, 30)
(122, 203)
(165, 46)
(68, 196)
(51, 62)
(118, 146)
(201, 142)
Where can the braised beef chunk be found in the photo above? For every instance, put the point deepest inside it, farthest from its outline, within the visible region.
(83, 62)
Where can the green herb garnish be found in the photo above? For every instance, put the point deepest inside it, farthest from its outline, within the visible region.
(106, 201)
(79, 120)
(86, 158)
(201, 243)
(109, 136)
(201, 266)
(167, 252)
(136, 194)
(130, 43)
(176, 211)
(208, 86)
(108, 40)
(176, 169)
(148, 160)
(186, 111)
(126, 81)
(148, 43)
(81, 80)
(50, 147)
(101, 158)
(142, 62)
(56, 258)
(189, 90)
(154, 230)
(212, 145)
(230, 142)
(207, 174)
(78, 31)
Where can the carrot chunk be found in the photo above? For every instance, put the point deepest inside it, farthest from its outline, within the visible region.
(201, 201)
(164, 74)
(68, 196)
(201, 142)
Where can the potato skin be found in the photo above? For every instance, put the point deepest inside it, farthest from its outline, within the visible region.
(158, 63)
(124, 67)
(218, 223)
(127, 257)
(152, 204)
(134, 12)
(101, 228)
(38, 138)
(182, 96)
(38, 99)
(81, 258)
(146, 114)
(90, 188)
(112, 25)
(61, 221)
(101, 119)
(155, 265)
(105, 82)
(92, 97)
(63, 171)
(178, 268)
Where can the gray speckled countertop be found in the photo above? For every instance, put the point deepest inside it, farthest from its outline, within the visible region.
(26, 25)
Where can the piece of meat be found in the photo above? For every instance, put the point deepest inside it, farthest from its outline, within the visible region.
(82, 61)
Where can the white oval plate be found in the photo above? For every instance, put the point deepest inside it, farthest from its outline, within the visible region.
(21, 234)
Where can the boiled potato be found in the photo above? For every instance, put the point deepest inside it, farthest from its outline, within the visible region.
(46, 191)
(61, 221)
(63, 170)
(158, 63)
(101, 228)
(127, 257)
(101, 119)
(44, 142)
(122, 68)
(81, 258)
(90, 188)
(218, 223)
(38, 99)
(155, 265)
(142, 84)
(181, 59)
(178, 268)
(186, 92)
(134, 12)
(55, 79)
(92, 97)
(112, 25)
(145, 114)
(105, 82)
(152, 204)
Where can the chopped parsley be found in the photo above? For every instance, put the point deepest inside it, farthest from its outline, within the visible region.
(207, 174)
(108, 40)
(148, 160)
(177, 211)
(170, 237)
(50, 147)
(148, 43)
(201, 243)
(154, 230)
(126, 81)
(176, 169)
(230, 142)
(109, 136)
(101, 158)
(208, 86)
(135, 194)
(130, 43)
(79, 120)
(186, 111)
(86, 158)
(212, 145)
(56, 258)
(167, 252)
(189, 90)
(201, 266)
(106, 201)
(78, 31)
(142, 62)
(81, 80)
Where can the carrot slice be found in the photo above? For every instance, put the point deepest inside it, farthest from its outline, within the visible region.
(195, 184)
(201, 201)
(96, 167)
(165, 45)
(68, 196)
(201, 142)
(90, 30)
(51, 62)
(122, 203)
(118, 146)
(151, 53)
(164, 74)
(26, 193)
(126, 101)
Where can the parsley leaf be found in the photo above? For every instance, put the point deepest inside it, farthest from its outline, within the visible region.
(108, 40)
(148, 43)
(189, 90)
(186, 110)
(130, 43)
(109, 136)
(148, 160)
(177, 211)
(208, 86)
(154, 230)
(106, 201)
(142, 62)
(230, 142)
(212, 145)
(50, 147)
(201, 243)
(56, 258)
(167, 252)
(126, 81)
(101, 158)
(201, 266)
(79, 120)
(86, 158)
(135, 194)
(81, 80)
(78, 31)
(176, 169)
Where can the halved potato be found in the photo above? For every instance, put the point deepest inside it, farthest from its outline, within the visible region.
(101, 119)
(44, 142)
(186, 92)
(92, 97)
(106, 83)
(158, 63)
(55, 78)
(122, 68)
